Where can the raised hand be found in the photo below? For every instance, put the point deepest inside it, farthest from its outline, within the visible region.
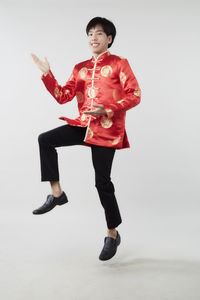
(43, 66)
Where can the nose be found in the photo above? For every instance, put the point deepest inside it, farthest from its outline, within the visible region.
(93, 36)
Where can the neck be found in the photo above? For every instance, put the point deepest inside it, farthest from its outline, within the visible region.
(98, 54)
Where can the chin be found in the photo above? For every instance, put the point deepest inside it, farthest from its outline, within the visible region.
(98, 51)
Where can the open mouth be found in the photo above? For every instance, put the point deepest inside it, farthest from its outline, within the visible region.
(95, 45)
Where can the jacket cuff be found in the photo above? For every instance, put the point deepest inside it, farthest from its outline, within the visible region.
(47, 74)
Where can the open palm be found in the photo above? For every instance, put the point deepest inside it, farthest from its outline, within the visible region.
(42, 65)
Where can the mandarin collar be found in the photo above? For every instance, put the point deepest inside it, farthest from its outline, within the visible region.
(101, 56)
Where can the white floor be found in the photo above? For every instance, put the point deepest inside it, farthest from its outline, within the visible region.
(42, 257)
(55, 256)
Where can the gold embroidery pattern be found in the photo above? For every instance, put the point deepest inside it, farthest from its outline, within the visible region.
(80, 97)
(89, 134)
(83, 72)
(92, 92)
(122, 77)
(120, 101)
(137, 92)
(83, 117)
(67, 91)
(116, 141)
(106, 71)
(57, 93)
(106, 122)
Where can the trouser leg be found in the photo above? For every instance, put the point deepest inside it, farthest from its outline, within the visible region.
(65, 135)
(102, 158)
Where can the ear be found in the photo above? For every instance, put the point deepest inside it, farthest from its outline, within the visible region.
(109, 38)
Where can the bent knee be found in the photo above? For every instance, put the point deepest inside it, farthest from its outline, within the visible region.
(42, 138)
(105, 185)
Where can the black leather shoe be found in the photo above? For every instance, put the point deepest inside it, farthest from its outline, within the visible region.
(110, 247)
(50, 203)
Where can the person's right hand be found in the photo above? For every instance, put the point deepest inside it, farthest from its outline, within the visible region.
(43, 66)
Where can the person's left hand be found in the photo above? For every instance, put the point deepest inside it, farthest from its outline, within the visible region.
(97, 112)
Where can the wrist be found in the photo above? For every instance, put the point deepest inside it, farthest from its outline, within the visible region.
(45, 73)
(109, 112)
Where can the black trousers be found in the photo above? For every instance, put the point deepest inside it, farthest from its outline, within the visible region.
(102, 158)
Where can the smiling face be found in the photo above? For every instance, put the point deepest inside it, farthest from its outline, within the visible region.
(98, 40)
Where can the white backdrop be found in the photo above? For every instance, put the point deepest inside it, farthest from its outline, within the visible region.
(156, 180)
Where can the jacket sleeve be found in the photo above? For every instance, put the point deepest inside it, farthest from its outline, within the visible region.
(62, 94)
(132, 92)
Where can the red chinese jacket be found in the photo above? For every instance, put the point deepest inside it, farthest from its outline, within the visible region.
(109, 80)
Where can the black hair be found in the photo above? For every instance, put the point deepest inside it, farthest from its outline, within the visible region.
(108, 27)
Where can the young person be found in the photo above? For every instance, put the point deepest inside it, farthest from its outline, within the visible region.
(105, 88)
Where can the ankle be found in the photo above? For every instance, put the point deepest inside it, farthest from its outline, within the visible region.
(56, 189)
(112, 233)
(57, 193)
